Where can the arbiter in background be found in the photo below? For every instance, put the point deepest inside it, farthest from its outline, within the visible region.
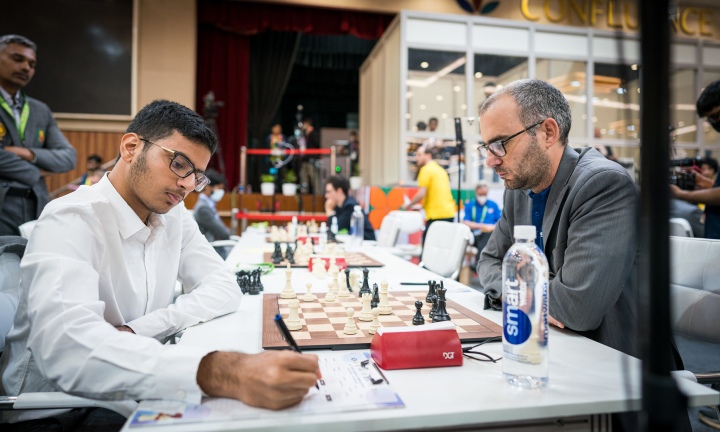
(433, 190)
(30, 142)
(206, 214)
(708, 106)
(481, 215)
(340, 205)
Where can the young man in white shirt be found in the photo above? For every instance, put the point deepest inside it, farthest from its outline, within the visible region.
(98, 278)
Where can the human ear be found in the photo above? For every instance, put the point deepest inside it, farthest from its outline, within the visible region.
(551, 129)
(129, 144)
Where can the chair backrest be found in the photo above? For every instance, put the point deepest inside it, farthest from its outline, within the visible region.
(444, 247)
(695, 287)
(389, 230)
(27, 228)
(680, 227)
(11, 250)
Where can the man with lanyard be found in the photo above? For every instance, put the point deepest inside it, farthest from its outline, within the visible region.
(481, 215)
(30, 141)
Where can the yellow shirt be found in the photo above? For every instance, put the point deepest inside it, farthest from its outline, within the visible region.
(438, 201)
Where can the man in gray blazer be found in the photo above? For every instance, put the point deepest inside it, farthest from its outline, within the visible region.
(30, 141)
(583, 207)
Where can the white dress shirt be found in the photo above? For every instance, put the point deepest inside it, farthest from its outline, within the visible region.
(92, 265)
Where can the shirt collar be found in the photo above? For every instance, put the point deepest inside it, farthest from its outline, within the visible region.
(9, 99)
(128, 221)
(206, 199)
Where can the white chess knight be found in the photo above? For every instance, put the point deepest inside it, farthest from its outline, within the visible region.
(384, 306)
(309, 296)
(293, 321)
(366, 312)
(288, 292)
(350, 326)
(375, 322)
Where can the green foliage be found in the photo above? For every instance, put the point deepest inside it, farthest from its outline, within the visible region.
(290, 176)
(267, 178)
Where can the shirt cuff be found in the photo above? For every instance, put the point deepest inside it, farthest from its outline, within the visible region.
(176, 377)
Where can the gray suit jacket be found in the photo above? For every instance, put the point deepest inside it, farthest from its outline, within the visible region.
(590, 240)
(54, 152)
(208, 221)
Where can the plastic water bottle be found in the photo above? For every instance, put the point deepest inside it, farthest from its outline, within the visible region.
(525, 311)
(357, 227)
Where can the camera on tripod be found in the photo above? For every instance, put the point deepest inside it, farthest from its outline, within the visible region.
(682, 172)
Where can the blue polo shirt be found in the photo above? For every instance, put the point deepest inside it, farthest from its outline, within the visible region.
(539, 200)
(489, 213)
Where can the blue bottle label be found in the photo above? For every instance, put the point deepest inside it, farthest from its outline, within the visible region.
(516, 325)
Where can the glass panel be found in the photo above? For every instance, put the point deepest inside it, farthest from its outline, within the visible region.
(616, 101)
(435, 91)
(569, 77)
(682, 105)
(710, 135)
(628, 157)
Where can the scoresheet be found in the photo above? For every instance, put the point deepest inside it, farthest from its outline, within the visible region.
(350, 382)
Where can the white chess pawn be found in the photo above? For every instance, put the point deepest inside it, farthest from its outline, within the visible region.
(376, 321)
(342, 286)
(355, 281)
(350, 326)
(333, 268)
(293, 321)
(273, 234)
(309, 296)
(366, 313)
(288, 292)
(330, 296)
(384, 306)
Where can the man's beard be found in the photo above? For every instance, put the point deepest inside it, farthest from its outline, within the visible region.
(532, 170)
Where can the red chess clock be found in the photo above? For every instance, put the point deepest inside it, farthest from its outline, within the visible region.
(429, 345)
(339, 262)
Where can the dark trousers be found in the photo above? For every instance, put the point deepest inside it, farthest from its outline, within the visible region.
(429, 222)
(15, 212)
(77, 420)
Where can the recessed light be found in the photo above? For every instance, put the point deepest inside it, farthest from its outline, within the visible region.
(456, 88)
(478, 75)
(424, 65)
(438, 98)
(422, 106)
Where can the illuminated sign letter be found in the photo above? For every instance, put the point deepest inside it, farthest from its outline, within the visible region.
(525, 9)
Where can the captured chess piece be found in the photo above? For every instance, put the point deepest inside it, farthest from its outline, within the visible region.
(290, 254)
(365, 284)
(441, 313)
(277, 255)
(375, 297)
(375, 322)
(350, 326)
(418, 318)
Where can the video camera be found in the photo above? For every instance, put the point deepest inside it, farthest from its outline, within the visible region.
(681, 172)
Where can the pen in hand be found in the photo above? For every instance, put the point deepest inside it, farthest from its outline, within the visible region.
(288, 337)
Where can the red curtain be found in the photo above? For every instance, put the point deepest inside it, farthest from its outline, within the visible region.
(223, 65)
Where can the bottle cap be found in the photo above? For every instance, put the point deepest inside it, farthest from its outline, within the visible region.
(524, 232)
(357, 208)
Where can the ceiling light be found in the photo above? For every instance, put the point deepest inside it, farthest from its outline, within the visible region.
(456, 88)
(408, 116)
(633, 67)
(463, 107)
(438, 98)
(424, 65)
(575, 83)
(444, 115)
(478, 74)
(422, 106)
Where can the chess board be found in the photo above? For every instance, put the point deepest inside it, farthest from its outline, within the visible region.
(323, 322)
(353, 259)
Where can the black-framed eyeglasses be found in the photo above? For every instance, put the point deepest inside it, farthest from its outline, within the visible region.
(713, 118)
(181, 166)
(497, 148)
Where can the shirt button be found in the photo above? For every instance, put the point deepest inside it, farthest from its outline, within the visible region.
(537, 213)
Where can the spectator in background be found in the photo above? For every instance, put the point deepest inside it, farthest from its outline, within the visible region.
(421, 126)
(433, 189)
(207, 216)
(308, 168)
(94, 163)
(354, 151)
(340, 205)
(709, 167)
(432, 124)
(30, 141)
(276, 136)
(481, 215)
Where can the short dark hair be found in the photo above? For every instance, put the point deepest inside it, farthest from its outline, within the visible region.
(710, 161)
(421, 125)
(160, 118)
(215, 177)
(709, 99)
(95, 158)
(339, 182)
(6, 40)
(432, 118)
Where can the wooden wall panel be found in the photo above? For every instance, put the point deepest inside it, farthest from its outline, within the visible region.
(105, 144)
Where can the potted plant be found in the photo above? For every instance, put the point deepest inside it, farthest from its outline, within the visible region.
(355, 179)
(289, 187)
(267, 185)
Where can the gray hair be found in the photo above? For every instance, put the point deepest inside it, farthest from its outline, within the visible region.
(17, 39)
(537, 100)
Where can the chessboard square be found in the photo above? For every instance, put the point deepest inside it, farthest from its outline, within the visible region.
(331, 309)
(452, 311)
(394, 324)
(314, 314)
(310, 305)
(301, 335)
(389, 318)
(474, 328)
(395, 303)
(284, 311)
(405, 299)
(464, 322)
(336, 320)
(320, 327)
(351, 303)
(341, 334)
(364, 325)
(406, 312)
(322, 320)
(337, 314)
(460, 330)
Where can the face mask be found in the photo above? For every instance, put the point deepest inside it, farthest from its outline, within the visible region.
(481, 199)
(217, 194)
